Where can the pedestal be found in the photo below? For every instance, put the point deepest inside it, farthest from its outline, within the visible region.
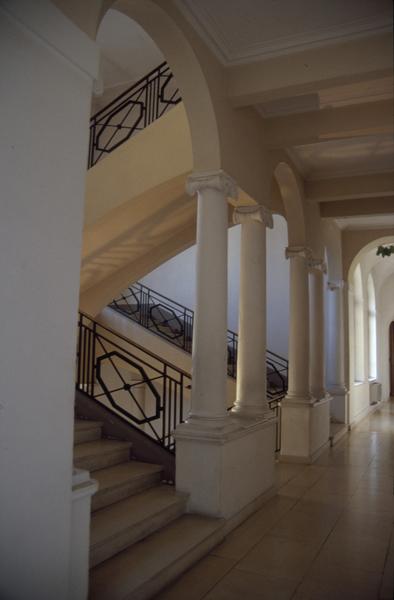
(226, 472)
(305, 430)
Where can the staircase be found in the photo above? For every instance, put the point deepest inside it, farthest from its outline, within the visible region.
(141, 538)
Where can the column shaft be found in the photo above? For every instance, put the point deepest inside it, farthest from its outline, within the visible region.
(298, 382)
(251, 358)
(209, 355)
(317, 379)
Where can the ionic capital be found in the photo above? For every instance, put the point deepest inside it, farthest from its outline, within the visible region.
(299, 251)
(247, 214)
(214, 180)
(334, 286)
(318, 264)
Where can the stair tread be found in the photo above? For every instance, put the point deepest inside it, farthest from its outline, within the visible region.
(117, 577)
(124, 472)
(107, 522)
(83, 424)
(99, 447)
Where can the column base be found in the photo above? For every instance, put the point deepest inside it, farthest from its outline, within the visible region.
(339, 404)
(224, 471)
(305, 430)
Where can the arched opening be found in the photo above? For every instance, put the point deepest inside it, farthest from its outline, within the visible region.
(371, 310)
(391, 355)
(194, 90)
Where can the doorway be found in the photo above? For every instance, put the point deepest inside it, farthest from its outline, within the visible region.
(391, 353)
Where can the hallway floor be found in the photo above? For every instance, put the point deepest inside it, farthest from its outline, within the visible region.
(328, 534)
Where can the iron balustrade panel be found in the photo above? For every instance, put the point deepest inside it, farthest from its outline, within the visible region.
(133, 110)
(140, 386)
(174, 322)
(159, 314)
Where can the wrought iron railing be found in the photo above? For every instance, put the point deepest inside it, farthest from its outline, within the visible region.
(174, 322)
(149, 392)
(133, 110)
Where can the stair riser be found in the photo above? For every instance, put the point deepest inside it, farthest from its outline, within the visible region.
(100, 461)
(112, 495)
(170, 574)
(87, 435)
(127, 537)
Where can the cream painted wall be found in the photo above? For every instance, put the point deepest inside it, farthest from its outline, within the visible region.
(176, 280)
(47, 66)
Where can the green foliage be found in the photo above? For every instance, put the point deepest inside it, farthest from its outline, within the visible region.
(385, 251)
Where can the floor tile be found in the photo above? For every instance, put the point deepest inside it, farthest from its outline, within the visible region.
(250, 586)
(196, 582)
(276, 556)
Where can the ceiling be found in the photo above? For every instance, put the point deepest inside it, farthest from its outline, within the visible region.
(352, 156)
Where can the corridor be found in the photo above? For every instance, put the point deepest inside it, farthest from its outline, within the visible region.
(328, 534)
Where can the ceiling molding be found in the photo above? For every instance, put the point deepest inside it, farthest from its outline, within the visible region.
(229, 55)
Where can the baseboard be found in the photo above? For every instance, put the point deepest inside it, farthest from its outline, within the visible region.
(304, 460)
(363, 415)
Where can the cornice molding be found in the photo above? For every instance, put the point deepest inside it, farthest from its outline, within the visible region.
(229, 55)
(248, 214)
(216, 180)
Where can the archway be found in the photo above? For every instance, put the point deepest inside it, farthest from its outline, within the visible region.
(194, 89)
(370, 312)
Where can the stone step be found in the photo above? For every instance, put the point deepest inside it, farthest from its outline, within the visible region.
(141, 571)
(86, 431)
(121, 481)
(100, 454)
(120, 525)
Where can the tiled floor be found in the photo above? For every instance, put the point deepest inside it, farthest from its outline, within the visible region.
(328, 534)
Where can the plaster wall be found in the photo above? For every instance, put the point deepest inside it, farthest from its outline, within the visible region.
(47, 67)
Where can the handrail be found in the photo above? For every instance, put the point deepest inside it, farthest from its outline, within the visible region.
(174, 322)
(133, 110)
(134, 382)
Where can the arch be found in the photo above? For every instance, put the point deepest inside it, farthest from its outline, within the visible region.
(292, 202)
(179, 54)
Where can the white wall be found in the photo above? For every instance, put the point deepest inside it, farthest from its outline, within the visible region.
(176, 279)
(45, 90)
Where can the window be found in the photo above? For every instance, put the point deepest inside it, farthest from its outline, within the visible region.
(358, 325)
(371, 328)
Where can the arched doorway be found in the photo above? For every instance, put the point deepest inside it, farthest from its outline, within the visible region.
(391, 357)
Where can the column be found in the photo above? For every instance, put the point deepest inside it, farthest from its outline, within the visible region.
(251, 399)
(335, 376)
(209, 355)
(215, 448)
(48, 66)
(305, 420)
(317, 268)
(298, 378)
